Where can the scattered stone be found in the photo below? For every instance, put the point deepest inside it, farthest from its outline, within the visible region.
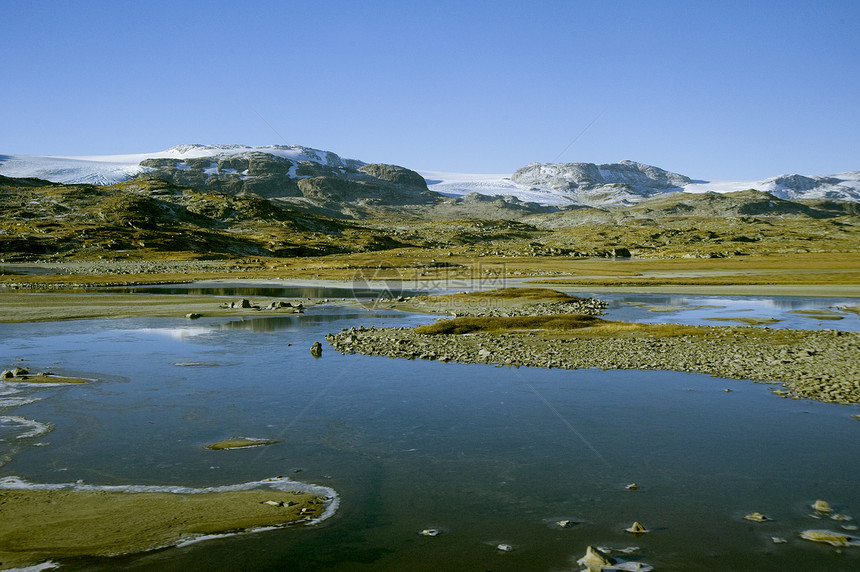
(193, 315)
(830, 537)
(778, 540)
(505, 547)
(727, 352)
(594, 560)
(564, 523)
(632, 487)
(637, 528)
(757, 517)
(429, 532)
(316, 349)
(7, 374)
(821, 506)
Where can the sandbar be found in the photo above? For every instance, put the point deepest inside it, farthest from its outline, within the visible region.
(60, 521)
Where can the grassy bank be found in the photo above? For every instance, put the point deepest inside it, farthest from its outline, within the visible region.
(40, 525)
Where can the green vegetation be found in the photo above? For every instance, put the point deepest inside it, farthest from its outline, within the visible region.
(746, 238)
(150, 218)
(238, 443)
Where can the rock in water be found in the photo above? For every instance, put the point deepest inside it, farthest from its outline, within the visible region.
(637, 529)
(316, 349)
(757, 517)
(821, 506)
(594, 560)
(830, 537)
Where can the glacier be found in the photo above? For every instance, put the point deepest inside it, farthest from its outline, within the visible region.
(548, 184)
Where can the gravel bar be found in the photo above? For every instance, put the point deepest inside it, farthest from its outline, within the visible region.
(817, 364)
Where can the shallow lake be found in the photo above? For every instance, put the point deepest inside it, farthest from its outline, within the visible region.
(782, 311)
(486, 455)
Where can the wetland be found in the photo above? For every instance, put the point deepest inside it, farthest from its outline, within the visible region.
(489, 457)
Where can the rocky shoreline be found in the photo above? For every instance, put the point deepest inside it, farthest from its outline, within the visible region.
(817, 364)
(132, 270)
(585, 306)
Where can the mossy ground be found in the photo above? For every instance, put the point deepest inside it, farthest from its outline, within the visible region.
(238, 443)
(40, 525)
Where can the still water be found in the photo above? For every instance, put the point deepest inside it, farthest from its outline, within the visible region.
(486, 455)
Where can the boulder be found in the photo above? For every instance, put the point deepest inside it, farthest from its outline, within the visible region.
(316, 349)
(395, 174)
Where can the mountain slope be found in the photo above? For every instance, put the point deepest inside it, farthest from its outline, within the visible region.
(621, 183)
(596, 185)
(151, 218)
(322, 181)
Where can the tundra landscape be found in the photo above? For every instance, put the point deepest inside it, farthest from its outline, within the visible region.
(562, 286)
(503, 278)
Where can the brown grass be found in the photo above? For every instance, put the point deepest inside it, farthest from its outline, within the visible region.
(510, 294)
(799, 278)
(575, 325)
(558, 322)
(409, 264)
(567, 324)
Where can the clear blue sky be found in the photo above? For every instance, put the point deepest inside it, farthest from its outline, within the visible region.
(713, 90)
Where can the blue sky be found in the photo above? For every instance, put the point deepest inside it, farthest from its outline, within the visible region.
(712, 90)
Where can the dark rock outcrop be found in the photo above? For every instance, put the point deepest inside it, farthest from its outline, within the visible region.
(328, 180)
(395, 174)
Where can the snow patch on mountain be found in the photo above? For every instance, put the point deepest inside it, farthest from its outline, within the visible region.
(462, 184)
(843, 186)
(551, 184)
(602, 186)
(111, 169)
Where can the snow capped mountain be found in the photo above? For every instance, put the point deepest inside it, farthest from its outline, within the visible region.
(621, 183)
(626, 183)
(462, 184)
(110, 169)
(555, 184)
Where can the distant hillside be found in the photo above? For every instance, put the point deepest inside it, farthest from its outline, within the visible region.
(150, 217)
(618, 185)
(693, 206)
(311, 178)
(323, 182)
(610, 184)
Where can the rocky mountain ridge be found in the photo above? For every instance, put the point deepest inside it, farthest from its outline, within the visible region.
(326, 183)
(622, 183)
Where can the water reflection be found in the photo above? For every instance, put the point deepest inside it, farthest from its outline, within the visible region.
(295, 322)
(486, 454)
(776, 311)
(246, 290)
